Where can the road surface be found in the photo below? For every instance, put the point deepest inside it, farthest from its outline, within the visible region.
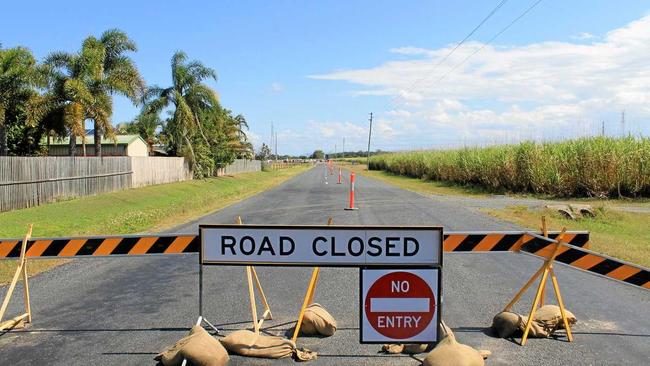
(122, 311)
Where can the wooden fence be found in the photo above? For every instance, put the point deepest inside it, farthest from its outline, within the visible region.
(32, 181)
(241, 166)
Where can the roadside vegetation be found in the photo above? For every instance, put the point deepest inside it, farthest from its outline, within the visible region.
(147, 209)
(58, 97)
(620, 234)
(615, 232)
(588, 167)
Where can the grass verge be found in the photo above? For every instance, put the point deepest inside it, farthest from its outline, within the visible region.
(152, 209)
(417, 185)
(616, 233)
(623, 235)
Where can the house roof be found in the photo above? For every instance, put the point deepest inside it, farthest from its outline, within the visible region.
(90, 140)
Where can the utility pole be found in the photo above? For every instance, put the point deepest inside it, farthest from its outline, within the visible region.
(369, 135)
(602, 128)
(271, 141)
(276, 147)
(623, 123)
(344, 148)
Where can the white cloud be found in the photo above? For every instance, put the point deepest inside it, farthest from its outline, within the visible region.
(582, 36)
(545, 88)
(277, 87)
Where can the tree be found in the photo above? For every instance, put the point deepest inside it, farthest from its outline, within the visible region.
(146, 125)
(318, 154)
(189, 97)
(265, 152)
(19, 75)
(82, 84)
(120, 76)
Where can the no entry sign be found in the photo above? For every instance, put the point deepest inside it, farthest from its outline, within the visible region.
(400, 305)
(352, 246)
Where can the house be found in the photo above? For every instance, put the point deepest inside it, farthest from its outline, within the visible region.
(123, 145)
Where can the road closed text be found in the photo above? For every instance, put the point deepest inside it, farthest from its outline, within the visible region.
(322, 245)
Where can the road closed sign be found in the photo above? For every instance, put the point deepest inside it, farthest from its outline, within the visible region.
(400, 305)
(352, 246)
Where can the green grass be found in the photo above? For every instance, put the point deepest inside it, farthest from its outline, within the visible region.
(417, 184)
(623, 235)
(151, 209)
(587, 167)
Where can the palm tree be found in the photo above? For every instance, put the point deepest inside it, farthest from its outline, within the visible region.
(146, 125)
(189, 97)
(82, 84)
(72, 81)
(19, 75)
(120, 76)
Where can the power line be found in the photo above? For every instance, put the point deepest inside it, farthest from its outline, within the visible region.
(435, 67)
(531, 7)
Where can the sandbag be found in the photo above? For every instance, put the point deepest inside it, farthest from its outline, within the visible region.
(449, 352)
(506, 324)
(547, 320)
(198, 347)
(404, 348)
(317, 320)
(247, 343)
(550, 317)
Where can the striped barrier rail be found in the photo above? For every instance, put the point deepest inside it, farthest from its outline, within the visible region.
(574, 252)
(189, 243)
(589, 261)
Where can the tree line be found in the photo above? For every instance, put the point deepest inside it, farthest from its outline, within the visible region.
(54, 99)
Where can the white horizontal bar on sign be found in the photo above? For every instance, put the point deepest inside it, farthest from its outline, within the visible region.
(399, 305)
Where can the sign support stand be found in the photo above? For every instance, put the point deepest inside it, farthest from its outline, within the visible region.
(309, 296)
(544, 271)
(20, 271)
(250, 275)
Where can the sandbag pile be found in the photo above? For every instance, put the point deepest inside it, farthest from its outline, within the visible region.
(318, 321)
(198, 347)
(247, 343)
(449, 352)
(547, 320)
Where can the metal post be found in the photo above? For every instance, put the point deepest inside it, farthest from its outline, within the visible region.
(369, 134)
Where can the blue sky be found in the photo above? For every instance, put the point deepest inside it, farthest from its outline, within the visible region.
(317, 68)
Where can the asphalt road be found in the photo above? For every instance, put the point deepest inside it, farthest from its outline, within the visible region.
(122, 311)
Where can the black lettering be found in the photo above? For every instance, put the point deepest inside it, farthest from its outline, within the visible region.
(228, 242)
(371, 244)
(241, 245)
(320, 254)
(390, 245)
(406, 247)
(266, 246)
(334, 253)
(351, 251)
(289, 251)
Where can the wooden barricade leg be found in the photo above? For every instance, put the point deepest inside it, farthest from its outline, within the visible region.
(20, 271)
(545, 271)
(545, 233)
(309, 296)
(251, 275)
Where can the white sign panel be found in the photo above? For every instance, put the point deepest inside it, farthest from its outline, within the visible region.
(320, 245)
(400, 305)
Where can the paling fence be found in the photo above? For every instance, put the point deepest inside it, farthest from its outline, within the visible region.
(241, 166)
(32, 181)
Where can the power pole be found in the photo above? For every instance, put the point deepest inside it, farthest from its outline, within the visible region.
(271, 141)
(276, 147)
(623, 123)
(369, 135)
(344, 148)
(602, 128)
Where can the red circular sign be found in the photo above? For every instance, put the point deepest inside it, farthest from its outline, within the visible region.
(400, 305)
